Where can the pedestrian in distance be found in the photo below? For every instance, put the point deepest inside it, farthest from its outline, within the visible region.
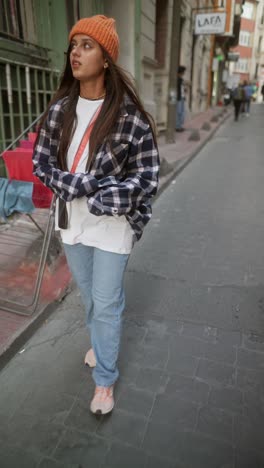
(238, 98)
(255, 87)
(248, 91)
(262, 92)
(180, 109)
(96, 150)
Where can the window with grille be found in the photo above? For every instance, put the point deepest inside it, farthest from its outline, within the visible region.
(24, 94)
(244, 38)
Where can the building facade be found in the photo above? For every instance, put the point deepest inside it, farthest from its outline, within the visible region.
(258, 43)
(33, 41)
(205, 56)
(223, 44)
(260, 68)
(195, 55)
(244, 68)
(34, 38)
(257, 62)
(250, 50)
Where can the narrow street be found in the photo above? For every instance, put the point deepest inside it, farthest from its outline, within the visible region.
(192, 357)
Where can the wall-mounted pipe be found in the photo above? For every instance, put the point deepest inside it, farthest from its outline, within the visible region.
(9, 84)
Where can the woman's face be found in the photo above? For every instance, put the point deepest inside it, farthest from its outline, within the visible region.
(86, 57)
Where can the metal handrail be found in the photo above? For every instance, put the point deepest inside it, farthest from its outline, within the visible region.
(22, 134)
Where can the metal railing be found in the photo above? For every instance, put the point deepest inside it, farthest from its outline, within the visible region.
(23, 234)
(25, 91)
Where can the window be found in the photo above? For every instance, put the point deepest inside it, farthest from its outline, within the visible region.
(244, 38)
(218, 3)
(161, 31)
(242, 65)
(248, 10)
(10, 19)
(262, 17)
(260, 43)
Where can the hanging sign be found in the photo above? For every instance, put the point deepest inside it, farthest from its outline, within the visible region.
(210, 23)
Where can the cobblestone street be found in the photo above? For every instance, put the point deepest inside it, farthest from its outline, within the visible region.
(192, 357)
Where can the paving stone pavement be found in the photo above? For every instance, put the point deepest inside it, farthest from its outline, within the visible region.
(15, 329)
(190, 393)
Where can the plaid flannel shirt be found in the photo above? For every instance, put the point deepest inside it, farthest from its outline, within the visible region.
(122, 177)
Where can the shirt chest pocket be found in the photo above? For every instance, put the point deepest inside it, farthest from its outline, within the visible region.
(112, 158)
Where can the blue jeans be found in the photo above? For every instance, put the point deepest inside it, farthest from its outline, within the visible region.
(99, 276)
(180, 113)
(247, 106)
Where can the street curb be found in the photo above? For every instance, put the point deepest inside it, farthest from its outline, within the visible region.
(35, 320)
(46, 312)
(28, 331)
(182, 163)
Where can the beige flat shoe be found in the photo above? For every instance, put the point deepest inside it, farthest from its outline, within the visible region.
(89, 359)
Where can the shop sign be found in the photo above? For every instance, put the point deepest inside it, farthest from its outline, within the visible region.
(210, 23)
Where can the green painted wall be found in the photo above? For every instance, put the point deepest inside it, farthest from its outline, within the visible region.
(91, 7)
(52, 29)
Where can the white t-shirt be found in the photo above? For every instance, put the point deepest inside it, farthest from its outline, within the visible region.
(110, 233)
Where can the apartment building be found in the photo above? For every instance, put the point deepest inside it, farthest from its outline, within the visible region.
(258, 43)
(245, 67)
(223, 44)
(257, 63)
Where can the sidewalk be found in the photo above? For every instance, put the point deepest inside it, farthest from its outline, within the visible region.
(16, 329)
(180, 153)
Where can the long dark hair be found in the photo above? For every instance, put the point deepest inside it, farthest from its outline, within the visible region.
(117, 84)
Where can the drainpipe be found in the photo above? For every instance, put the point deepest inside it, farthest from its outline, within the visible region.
(10, 99)
(28, 87)
(9, 84)
(137, 48)
(28, 91)
(210, 73)
(174, 62)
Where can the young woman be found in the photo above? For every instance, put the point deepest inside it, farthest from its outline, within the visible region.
(96, 150)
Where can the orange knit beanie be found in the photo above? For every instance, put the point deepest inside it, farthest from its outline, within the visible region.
(102, 29)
